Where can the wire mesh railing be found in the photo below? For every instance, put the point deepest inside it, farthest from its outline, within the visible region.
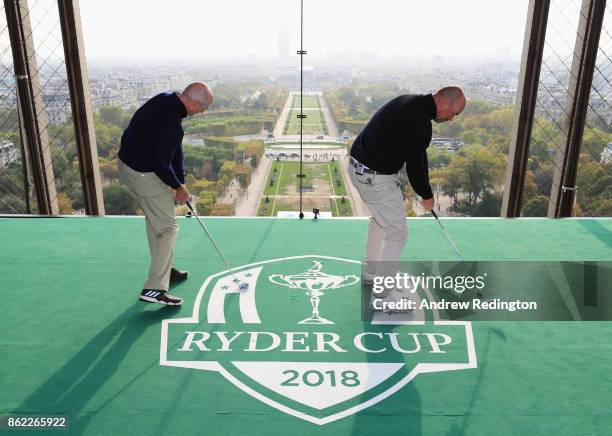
(55, 113)
(552, 109)
(594, 178)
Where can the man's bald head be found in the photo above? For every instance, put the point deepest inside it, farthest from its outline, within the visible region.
(197, 97)
(450, 102)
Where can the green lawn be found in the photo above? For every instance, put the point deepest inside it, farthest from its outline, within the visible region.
(285, 177)
(335, 176)
(309, 101)
(313, 124)
(265, 208)
(272, 179)
(282, 180)
(272, 208)
(339, 208)
(342, 209)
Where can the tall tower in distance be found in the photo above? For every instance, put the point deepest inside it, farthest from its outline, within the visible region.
(283, 44)
(285, 69)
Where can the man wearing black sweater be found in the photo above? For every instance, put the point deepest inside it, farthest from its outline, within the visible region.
(151, 166)
(398, 134)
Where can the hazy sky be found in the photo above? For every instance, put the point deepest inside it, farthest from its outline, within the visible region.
(232, 28)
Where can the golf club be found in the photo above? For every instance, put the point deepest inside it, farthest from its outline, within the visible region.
(209, 235)
(478, 292)
(449, 238)
(242, 286)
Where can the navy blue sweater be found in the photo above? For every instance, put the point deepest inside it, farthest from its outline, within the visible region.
(152, 142)
(398, 133)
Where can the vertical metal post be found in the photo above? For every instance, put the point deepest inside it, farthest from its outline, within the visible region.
(533, 48)
(78, 83)
(24, 158)
(301, 116)
(30, 100)
(563, 191)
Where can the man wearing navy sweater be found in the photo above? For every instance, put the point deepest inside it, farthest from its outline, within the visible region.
(151, 166)
(398, 134)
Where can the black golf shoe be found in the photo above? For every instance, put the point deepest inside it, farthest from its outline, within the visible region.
(178, 276)
(159, 297)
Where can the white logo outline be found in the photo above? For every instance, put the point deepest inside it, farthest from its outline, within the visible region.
(420, 368)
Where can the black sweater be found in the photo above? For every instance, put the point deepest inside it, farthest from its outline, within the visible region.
(398, 133)
(152, 142)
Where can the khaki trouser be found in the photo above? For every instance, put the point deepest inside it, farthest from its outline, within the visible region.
(387, 231)
(157, 202)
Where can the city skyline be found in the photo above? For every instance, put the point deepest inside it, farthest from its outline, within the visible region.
(339, 33)
(331, 29)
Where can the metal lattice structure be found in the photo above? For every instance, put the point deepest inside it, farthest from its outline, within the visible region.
(558, 130)
(46, 86)
(595, 164)
(16, 194)
(55, 113)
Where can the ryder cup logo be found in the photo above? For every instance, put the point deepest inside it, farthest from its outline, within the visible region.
(249, 325)
(314, 282)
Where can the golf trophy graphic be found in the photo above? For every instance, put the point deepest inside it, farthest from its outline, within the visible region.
(314, 282)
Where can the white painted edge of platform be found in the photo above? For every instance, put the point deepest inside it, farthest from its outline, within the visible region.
(333, 218)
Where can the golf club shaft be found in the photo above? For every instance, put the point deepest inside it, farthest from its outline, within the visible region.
(209, 235)
(447, 236)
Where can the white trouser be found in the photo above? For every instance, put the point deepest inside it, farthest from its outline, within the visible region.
(387, 231)
(157, 202)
